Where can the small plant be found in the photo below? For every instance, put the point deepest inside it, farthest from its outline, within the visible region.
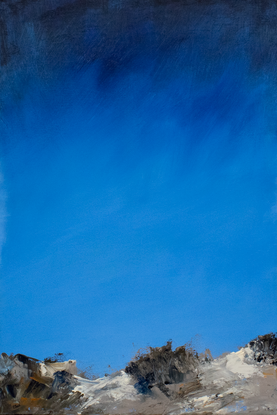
(58, 357)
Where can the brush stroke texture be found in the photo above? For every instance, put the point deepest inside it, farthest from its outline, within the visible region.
(138, 143)
(175, 382)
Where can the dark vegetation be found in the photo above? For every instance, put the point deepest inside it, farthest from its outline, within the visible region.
(162, 366)
(58, 357)
(265, 348)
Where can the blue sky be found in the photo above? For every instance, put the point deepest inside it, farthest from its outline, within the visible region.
(138, 194)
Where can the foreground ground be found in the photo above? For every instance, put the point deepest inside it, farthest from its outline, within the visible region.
(161, 381)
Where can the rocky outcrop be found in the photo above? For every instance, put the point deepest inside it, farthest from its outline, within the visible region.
(28, 383)
(160, 381)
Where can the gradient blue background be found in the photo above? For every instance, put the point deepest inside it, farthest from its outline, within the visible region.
(138, 200)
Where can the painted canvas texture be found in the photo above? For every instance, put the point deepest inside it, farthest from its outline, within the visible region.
(138, 206)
